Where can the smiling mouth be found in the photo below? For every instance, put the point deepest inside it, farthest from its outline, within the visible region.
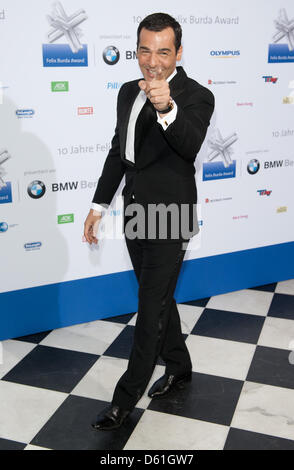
(153, 73)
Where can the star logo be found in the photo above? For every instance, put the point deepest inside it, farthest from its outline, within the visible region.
(221, 147)
(285, 29)
(4, 156)
(67, 26)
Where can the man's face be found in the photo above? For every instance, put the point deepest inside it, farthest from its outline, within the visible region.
(157, 53)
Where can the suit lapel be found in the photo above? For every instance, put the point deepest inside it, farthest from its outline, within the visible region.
(177, 84)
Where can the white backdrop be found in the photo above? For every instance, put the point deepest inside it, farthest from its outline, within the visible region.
(60, 139)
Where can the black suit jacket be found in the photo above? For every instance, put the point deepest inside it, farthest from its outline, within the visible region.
(164, 170)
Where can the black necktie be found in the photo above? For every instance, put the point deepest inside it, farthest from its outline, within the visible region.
(144, 121)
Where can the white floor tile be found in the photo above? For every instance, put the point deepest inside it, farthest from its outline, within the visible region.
(93, 337)
(243, 301)
(100, 381)
(189, 316)
(265, 409)
(285, 287)
(277, 333)
(133, 320)
(11, 353)
(162, 431)
(24, 410)
(145, 400)
(220, 357)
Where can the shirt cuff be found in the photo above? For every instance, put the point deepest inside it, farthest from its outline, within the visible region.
(97, 207)
(168, 118)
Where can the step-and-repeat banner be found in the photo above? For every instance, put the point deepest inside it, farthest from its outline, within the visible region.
(61, 66)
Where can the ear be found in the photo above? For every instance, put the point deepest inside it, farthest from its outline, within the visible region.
(179, 53)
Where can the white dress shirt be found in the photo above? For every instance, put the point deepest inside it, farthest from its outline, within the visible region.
(137, 106)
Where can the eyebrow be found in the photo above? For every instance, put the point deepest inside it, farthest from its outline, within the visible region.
(163, 49)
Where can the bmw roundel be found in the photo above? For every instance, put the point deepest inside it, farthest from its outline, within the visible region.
(111, 55)
(253, 167)
(3, 227)
(36, 189)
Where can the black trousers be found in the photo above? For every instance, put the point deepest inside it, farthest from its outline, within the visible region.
(158, 328)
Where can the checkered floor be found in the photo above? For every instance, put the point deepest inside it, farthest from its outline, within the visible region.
(241, 396)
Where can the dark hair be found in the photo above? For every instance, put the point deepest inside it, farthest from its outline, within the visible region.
(158, 22)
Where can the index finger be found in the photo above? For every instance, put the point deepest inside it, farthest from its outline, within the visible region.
(158, 74)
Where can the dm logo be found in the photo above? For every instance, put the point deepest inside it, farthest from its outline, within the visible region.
(36, 189)
(111, 55)
(253, 167)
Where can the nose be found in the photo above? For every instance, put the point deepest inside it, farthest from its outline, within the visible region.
(153, 60)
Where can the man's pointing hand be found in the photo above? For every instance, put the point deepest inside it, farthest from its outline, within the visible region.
(157, 91)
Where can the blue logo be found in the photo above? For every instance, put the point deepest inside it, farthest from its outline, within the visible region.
(113, 85)
(282, 48)
(253, 167)
(61, 55)
(280, 53)
(24, 113)
(111, 55)
(222, 54)
(36, 189)
(32, 246)
(3, 227)
(6, 193)
(217, 170)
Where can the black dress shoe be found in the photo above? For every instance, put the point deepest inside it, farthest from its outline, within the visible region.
(166, 383)
(110, 418)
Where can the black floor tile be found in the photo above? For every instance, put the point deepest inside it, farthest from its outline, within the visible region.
(239, 439)
(229, 325)
(197, 303)
(6, 444)
(35, 338)
(271, 366)
(122, 345)
(206, 397)
(266, 287)
(70, 427)
(51, 368)
(120, 318)
(282, 306)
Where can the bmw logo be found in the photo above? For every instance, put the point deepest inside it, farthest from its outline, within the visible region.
(36, 189)
(111, 55)
(3, 227)
(253, 167)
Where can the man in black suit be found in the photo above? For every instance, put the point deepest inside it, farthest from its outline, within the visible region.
(161, 123)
